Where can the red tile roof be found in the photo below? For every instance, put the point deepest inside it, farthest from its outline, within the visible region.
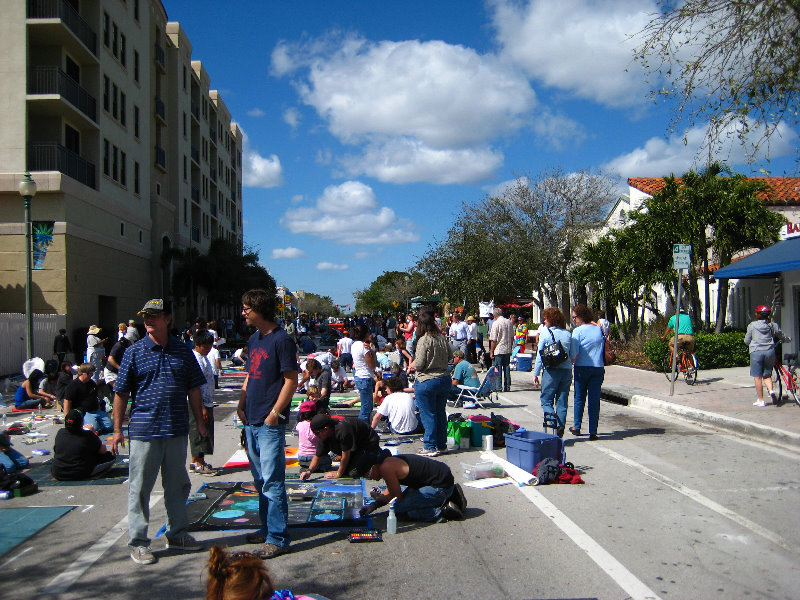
(784, 191)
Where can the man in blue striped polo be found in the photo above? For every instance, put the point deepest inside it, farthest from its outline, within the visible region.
(162, 372)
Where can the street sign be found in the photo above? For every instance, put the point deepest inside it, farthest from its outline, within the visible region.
(681, 256)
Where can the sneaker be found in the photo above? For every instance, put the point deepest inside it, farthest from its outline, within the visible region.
(452, 513)
(759, 403)
(255, 538)
(458, 498)
(142, 555)
(186, 543)
(206, 470)
(426, 452)
(192, 466)
(268, 551)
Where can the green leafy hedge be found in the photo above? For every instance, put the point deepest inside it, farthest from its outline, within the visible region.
(713, 350)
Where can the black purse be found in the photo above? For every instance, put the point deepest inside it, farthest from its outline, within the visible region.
(553, 354)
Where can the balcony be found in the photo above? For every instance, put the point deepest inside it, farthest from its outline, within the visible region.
(51, 156)
(195, 234)
(214, 210)
(212, 133)
(52, 80)
(213, 174)
(59, 9)
(161, 58)
(233, 225)
(195, 195)
(195, 111)
(161, 158)
(161, 110)
(196, 155)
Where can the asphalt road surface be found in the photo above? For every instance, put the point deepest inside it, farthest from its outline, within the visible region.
(668, 510)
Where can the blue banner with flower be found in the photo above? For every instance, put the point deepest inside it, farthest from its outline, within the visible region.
(42, 240)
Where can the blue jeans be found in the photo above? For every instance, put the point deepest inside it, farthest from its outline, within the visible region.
(147, 457)
(588, 381)
(13, 461)
(31, 403)
(431, 399)
(503, 361)
(100, 420)
(365, 387)
(268, 466)
(424, 504)
(555, 389)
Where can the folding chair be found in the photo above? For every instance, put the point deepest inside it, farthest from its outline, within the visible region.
(491, 384)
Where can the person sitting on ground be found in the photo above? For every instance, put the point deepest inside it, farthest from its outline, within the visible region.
(397, 371)
(239, 357)
(339, 380)
(11, 460)
(430, 492)
(200, 446)
(28, 394)
(463, 374)
(307, 442)
(77, 453)
(322, 380)
(81, 393)
(685, 332)
(398, 409)
(325, 358)
(65, 377)
(350, 438)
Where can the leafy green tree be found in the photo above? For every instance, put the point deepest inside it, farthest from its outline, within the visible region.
(323, 305)
(734, 66)
(390, 292)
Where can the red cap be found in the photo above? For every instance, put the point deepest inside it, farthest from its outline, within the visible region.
(763, 308)
(308, 406)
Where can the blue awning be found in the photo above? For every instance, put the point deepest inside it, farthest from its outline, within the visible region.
(769, 262)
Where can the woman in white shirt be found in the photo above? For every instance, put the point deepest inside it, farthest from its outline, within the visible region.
(363, 370)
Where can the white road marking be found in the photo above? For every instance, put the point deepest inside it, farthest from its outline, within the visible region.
(64, 580)
(15, 557)
(702, 500)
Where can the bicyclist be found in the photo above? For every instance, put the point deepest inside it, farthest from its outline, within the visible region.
(762, 335)
(685, 332)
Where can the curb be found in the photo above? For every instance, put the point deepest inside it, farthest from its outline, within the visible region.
(632, 397)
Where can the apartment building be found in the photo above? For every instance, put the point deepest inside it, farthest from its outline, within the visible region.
(132, 151)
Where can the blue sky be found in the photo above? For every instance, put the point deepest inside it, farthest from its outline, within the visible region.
(369, 123)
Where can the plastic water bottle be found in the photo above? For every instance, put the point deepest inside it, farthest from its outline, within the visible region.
(391, 521)
(39, 409)
(5, 419)
(235, 421)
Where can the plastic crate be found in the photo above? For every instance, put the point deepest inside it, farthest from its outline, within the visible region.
(525, 449)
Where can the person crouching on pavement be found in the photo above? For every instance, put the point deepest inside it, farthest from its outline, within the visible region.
(430, 493)
(349, 438)
(78, 453)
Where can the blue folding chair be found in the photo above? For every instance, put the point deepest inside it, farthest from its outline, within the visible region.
(491, 384)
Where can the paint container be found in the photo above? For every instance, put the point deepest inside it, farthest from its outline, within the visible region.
(4, 495)
(488, 443)
(451, 443)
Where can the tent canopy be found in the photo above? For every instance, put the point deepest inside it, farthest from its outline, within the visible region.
(769, 262)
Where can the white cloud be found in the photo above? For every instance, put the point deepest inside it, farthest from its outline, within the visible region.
(255, 112)
(583, 47)
(296, 199)
(258, 171)
(291, 117)
(675, 155)
(497, 190)
(327, 266)
(426, 111)
(350, 214)
(289, 252)
(363, 254)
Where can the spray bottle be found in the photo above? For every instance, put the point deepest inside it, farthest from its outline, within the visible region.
(391, 520)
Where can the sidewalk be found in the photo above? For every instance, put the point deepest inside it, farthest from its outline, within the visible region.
(721, 398)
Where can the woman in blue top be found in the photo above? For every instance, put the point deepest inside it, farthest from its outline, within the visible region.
(586, 351)
(555, 380)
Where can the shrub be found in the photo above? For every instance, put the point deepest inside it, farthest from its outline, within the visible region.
(713, 350)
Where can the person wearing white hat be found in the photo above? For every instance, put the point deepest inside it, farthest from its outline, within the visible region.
(95, 351)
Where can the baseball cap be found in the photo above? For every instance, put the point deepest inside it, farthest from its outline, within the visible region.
(308, 406)
(154, 307)
(763, 308)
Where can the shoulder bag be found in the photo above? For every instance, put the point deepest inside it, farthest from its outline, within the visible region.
(553, 354)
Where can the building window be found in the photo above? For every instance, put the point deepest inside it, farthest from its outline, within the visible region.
(136, 9)
(122, 229)
(106, 153)
(185, 169)
(185, 129)
(136, 66)
(115, 100)
(106, 93)
(123, 175)
(106, 30)
(122, 118)
(115, 163)
(185, 211)
(115, 40)
(122, 50)
(135, 120)
(135, 177)
(184, 77)
(141, 236)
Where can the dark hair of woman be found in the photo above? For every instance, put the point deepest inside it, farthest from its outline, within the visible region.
(35, 377)
(237, 576)
(360, 333)
(555, 317)
(426, 324)
(583, 312)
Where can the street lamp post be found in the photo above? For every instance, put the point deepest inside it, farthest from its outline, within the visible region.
(27, 189)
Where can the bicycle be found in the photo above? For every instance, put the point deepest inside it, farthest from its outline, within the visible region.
(785, 377)
(687, 364)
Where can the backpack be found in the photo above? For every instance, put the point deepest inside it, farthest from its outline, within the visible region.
(547, 471)
(500, 426)
(553, 354)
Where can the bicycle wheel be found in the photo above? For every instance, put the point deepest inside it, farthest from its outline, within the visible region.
(667, 366)
(791, 388)
(777, 382)
(690, 364)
